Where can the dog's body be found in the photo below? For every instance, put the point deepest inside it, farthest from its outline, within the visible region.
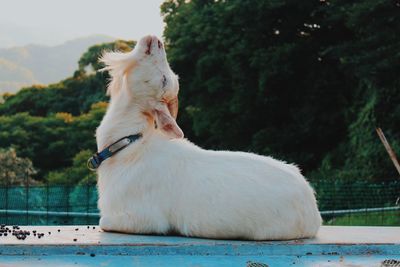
(159, 184)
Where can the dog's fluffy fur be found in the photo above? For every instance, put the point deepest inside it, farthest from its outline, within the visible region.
(164, 183)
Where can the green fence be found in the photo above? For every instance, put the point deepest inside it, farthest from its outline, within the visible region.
(359, 202)
(342, 203)
(48, 205)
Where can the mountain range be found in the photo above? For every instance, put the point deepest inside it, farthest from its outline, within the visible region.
(40, 64)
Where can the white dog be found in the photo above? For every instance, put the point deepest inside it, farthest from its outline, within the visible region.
(161, 183)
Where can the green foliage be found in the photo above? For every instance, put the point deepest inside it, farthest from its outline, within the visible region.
(74, 95)
(15, 170)
(51, 142)
(54, 125)
(304, 81)
(77, 174)
(251, 72)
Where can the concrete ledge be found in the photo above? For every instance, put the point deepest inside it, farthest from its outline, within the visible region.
(334, 246)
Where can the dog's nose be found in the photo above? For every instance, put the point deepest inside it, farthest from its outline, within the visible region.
(151, 44)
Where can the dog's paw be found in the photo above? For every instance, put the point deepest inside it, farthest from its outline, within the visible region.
(106, 223)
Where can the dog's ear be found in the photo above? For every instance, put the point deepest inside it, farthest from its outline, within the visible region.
(117, 64)
(173, 107)
(165, 115)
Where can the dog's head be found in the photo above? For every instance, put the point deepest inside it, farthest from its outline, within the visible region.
(145, 74)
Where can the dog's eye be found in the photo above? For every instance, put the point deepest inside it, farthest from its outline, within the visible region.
(164, 81)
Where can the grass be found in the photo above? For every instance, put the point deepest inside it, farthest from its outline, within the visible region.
(385, 218)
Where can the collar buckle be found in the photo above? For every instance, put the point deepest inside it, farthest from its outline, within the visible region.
(94, 162)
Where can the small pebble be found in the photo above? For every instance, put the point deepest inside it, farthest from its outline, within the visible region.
(75, 239)
(94, 227)
(58, 230)
(92, 254)
(76, 229)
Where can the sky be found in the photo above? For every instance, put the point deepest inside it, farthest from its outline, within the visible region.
(52, 22)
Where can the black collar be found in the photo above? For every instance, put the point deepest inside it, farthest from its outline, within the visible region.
(94, 162)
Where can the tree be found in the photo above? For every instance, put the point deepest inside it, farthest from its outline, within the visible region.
(252, 76)
(15, 170)
(51, 142)
(370, 58)
(290, 79)
(77, 174)
(74, 95)
(305, 81)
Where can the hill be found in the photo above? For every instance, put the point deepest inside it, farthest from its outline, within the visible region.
(23, 66)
